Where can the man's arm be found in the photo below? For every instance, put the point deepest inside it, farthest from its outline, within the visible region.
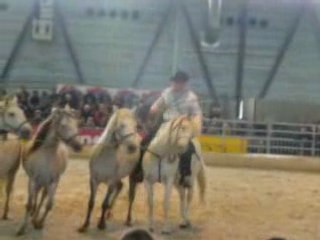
(158, 106)
(196, 114)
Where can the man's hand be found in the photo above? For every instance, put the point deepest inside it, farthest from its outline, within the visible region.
(153, 110)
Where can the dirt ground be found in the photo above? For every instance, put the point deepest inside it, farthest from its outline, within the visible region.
(241, 205)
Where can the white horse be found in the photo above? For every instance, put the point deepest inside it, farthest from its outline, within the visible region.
(114, 158)
(12, 120)
(45, 160)
(161, 162)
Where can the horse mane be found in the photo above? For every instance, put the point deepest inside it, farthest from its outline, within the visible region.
(162, 136)
(107, 134)
(40, 135)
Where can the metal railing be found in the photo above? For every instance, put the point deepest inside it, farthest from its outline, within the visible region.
(269, 138)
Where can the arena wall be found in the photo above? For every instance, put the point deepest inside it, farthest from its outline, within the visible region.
(111, 43)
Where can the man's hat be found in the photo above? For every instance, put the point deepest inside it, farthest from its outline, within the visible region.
(180, 76)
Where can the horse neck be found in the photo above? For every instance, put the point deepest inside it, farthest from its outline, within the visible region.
(52, 139)
(106, 136)
(160, 145)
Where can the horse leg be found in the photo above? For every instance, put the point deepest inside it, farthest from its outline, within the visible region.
(38, 207)
(35, 200)
(111, 196)
(29, 205)
(114, 198)
(182, 194)
(9, 187)
(132, 194)
(189, 201)
(149, 189)
(166, 206)
(105, 206)
(51, 191)
(93, 191)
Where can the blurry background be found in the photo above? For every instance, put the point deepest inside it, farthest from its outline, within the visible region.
(233, 50)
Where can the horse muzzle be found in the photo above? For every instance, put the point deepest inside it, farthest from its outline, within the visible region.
(75, 145)
(132, 148)
(25, 132)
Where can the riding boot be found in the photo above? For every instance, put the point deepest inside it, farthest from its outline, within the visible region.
(185, 165)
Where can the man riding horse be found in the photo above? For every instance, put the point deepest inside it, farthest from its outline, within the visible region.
(176, 100)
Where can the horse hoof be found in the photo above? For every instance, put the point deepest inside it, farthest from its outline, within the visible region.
(38, 225)
(128, 223)
(109, 215)
(165, 232)
(102, 226)
(82, 229)
(5, 217)
(186, 225)
(21, 232)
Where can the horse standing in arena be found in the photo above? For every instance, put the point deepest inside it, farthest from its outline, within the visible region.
(12, 119)
(114, 158)
(45, 160)
(161, 162)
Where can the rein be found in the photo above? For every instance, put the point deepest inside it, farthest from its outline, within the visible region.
(4, 130)
(119, 139)
(170, 137)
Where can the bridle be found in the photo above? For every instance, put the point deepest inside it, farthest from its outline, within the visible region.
(173, 127)
(72, 137)
(119, 139)
(7, 126)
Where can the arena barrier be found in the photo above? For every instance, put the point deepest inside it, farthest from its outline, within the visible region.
(226, 152)
(223, 144)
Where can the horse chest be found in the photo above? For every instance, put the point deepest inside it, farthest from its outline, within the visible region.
(9, 158)
(45, 166)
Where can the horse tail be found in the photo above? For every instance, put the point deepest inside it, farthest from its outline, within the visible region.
(202, 182)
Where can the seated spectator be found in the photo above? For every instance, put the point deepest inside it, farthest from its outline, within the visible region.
(3, 93)
(34, 101)
(89, 123)
(23, 93)
(37, 117)
(101, 116)
(86, 112)
(45, 104)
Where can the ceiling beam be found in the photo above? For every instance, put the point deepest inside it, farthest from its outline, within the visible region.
(282, 51)
(70, 47)
(243, 19)
(17, 46)
(153, 44)
(201, 58)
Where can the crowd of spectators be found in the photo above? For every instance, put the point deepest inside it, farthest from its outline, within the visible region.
(93, 107)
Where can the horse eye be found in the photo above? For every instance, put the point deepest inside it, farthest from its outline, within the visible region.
(11, 114)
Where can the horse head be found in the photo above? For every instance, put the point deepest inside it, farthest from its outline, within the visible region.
(121, 129)
(180, 132)
(65, 123)
(12, 117)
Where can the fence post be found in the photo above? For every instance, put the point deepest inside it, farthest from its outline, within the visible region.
(313, 149)
(269, 134)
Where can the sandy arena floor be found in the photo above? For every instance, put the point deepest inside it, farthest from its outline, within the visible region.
(241, 205)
